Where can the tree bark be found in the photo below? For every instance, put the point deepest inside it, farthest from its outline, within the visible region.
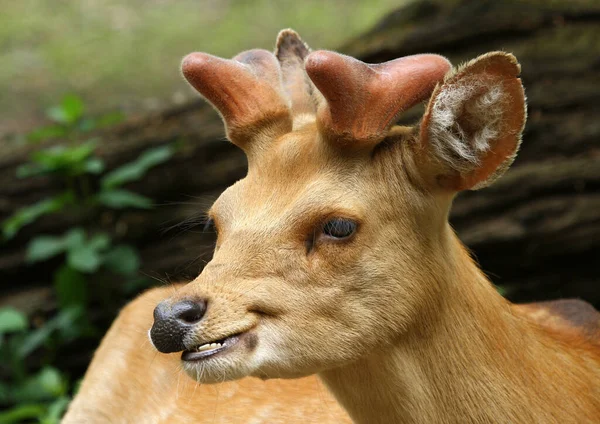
(536, 231)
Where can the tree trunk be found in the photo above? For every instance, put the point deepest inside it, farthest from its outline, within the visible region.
(536, 231)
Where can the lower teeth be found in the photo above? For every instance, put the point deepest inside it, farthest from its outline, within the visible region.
(208, 346)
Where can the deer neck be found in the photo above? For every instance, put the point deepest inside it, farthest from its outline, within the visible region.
(460, 362)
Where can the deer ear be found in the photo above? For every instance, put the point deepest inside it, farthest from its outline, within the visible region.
(472, 126)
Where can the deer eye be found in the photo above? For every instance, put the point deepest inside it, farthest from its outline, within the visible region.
(339, 228)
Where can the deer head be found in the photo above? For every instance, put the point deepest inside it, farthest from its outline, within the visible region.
(333, 245)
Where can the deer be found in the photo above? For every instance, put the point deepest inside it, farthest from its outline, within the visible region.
(338, 291)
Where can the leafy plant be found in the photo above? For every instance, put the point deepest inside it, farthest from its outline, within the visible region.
(63, 160)
(42, 394)
(85, 257)
(69, 120)
(29, 214)
(73, 165)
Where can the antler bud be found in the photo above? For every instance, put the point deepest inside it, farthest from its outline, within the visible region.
(291, 52)
(363, 101)
(246, 90)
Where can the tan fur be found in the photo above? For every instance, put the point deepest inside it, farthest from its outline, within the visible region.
(129, 382)
(397, 321)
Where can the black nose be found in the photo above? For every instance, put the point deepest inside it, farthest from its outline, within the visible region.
(173, 322)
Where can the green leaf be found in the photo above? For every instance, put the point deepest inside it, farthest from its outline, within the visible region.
(22, 412)
(86, 124)
(137, 169)
(72, 323)
(82, 255)
(100, 241)
(56, 410)
(93, 166)
(51, 381)
(30, 170)
(74, 238)
(66, 318)
(57, 114)
(122, 259)
(70, 287)
(42, 248)
(84, 258)
(120, 199)
(110, 119)
(106, 120)
(50, 157)
(68, 112)
(12, 320)
(45, 247)
(82, 151)
(48, 383)
(58, 155)
(64, 160)
(73, 107)
(34, 339)
(29, 214)
(45, 133)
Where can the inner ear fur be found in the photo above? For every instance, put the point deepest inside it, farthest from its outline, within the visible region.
(472, 126)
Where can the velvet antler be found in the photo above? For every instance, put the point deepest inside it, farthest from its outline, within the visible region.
(291, 52)
(363, 101)
(247, 91)
(257, 93)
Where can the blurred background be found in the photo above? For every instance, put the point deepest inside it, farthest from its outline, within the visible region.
(125, 55)
(109, 160)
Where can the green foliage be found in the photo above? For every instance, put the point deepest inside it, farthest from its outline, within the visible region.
(42, 248)
(122, 259)
(22, 412)
(62, 325)
(68, 112)
(42, 394)
(55, 410)
(135, 170)
(45, 133)
(75, 164)
(69, 121)
(29, 214)
(62, 160)
(11, 320)
(48, 383)
(84, 254)
(70, 287)
(120, 199)
(86, 259)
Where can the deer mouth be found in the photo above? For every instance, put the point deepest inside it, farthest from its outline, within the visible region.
(209, 349)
